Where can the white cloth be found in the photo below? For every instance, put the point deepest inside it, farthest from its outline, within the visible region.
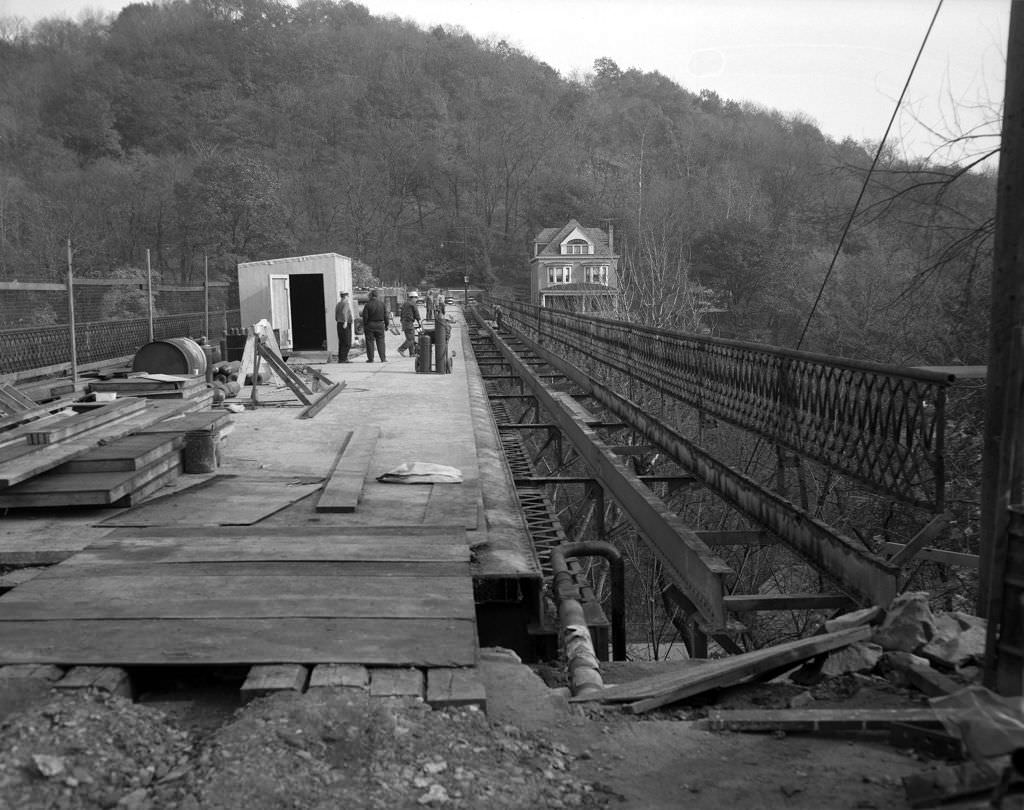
(421, 472)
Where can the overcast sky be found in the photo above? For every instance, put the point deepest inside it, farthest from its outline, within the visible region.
(842, 63)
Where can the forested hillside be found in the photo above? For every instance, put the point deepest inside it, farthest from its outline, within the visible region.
(248, 129)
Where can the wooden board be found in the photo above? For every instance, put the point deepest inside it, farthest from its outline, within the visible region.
(363, 568)
(818, 719)
(660, 690)
(219, 501)
(271, 549)
(200, 420)
(382, 642)
(344, 487)
(454, 504)
(67, 426)
(168, 595)
(84, 489)
(449, 686)
(128, 453)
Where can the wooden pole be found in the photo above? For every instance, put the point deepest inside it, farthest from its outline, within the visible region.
(149, 287)
(72, 340)
(206, 296)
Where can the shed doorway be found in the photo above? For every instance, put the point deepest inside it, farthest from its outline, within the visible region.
(309, 323)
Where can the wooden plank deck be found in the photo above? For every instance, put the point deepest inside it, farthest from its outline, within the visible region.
(399, 596)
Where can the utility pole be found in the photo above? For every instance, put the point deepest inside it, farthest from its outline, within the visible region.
(997, 598)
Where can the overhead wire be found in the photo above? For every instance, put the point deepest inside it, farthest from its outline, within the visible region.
(867, 177)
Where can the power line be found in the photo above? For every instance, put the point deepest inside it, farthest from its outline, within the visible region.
(867, 177)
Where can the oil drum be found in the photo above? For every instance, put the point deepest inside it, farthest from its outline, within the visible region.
(171, 356)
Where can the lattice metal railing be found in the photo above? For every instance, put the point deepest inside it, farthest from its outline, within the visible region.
(45, 346)
(881, 425)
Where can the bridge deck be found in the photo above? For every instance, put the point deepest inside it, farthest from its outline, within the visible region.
(388, 584)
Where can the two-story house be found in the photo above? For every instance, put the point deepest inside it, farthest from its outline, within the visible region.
(574, 269)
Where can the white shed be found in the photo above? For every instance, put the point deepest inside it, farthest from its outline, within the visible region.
(297, 295)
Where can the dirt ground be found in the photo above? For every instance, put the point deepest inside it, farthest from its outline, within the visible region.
(194, 746)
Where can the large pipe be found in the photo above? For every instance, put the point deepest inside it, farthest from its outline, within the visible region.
(584, 669)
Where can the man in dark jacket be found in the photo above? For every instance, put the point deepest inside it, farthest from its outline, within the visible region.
(409, 315)
(375, 316)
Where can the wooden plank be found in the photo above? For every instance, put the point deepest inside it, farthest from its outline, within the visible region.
(69, 426)
(84, 489)
(173, 596)
(270, 549)
(334, 676)
(128, 453)
(454, 504)
(819, 719)
(108, 679)
(266, 679)
(200, 420)
(318, 405)
(449, 686)
(344, 487)
(386, 642)
(650, 693)
(18, 576)
(393, 682)
(938, 555)
(742, 603)
(45, 672)
(49, 456)
(932, 531)
(219, 501)
(36, 412)
(363, 568)
(151, 487)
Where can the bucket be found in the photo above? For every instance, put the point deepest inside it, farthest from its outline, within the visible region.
(172, 356)
(200, 453)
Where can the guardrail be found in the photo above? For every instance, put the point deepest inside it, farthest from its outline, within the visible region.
(882, 425)
(31, 348)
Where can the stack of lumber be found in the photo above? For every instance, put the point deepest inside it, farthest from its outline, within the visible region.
(154, 386)
(77, 453)
(13, 401)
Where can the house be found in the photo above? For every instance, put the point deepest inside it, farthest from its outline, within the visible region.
(574, 268)
(297, 296)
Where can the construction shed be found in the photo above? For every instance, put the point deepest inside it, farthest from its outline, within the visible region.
(297, 295)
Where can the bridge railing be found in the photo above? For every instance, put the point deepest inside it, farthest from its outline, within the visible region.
(48, 346)
(882, 425)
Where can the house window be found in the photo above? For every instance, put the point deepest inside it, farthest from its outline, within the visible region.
(596, 274)
(561, 274)
(576, 247)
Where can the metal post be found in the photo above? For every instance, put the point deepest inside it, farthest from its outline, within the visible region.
(149, 287)
(72, 340)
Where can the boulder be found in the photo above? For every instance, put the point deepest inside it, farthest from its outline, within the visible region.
(909, 623)
(959, 639)
(859, 657)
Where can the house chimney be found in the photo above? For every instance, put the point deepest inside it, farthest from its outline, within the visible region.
(611, 238)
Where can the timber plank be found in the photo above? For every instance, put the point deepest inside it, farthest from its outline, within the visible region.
(217, 501)
(660, 690)
(268, 678)
(385, 642)
(450, 686)
(128, 453)
(392, 682)
(454, 504)
(67, 426)
(331, 568)
(172, 596)
(819, 719)
(264, 549)
(84, 489)
(348, 676)
(344, 487)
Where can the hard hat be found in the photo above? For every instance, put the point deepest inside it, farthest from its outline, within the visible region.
(414, 294)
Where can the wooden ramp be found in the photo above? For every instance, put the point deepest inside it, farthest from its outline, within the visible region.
(398, 596)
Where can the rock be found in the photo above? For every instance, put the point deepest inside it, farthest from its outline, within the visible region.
(909, 623)
(905, 669)
(801, 701)
(48, 765)
(859, 657)
(959, 639)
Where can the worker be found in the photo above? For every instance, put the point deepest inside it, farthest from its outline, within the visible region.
(343, 317)
(409, 316)
(375, 316)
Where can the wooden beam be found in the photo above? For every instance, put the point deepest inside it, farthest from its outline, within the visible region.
(787, 601)
(345, 486)
(932, 531)
(661, 690)
(936, 555)
(819, 719)
(312, 410)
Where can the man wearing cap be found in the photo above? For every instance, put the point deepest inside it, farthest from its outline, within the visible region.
(343, 317)
(409, 315)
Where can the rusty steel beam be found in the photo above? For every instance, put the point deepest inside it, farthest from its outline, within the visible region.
(688, 562)
(867, 577)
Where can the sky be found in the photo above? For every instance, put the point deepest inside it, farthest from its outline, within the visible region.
(839, 63)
